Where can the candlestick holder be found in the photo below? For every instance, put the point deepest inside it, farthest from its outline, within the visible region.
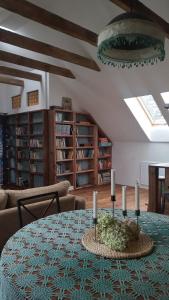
(137, 213)
(95, 225)
(115, 238)
(113, 199)
(124, 212)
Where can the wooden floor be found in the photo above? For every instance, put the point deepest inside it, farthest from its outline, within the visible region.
(104, 197)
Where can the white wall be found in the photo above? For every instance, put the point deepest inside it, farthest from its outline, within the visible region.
(3, 98)
(126, 159)
(59, 88)
(29, 85)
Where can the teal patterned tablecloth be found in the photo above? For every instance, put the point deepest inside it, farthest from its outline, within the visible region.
(46, 260)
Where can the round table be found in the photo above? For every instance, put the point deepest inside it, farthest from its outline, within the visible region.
(46, 260)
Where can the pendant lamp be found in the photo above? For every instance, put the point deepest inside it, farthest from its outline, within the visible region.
(129, 40)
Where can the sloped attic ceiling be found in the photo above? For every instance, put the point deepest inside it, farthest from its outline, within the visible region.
(100, 93)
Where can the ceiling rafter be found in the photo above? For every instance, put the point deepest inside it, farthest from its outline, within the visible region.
(44, 48)
(42, 16)
(11, 81)
(139, 7)
(34, 64)
(19, 73)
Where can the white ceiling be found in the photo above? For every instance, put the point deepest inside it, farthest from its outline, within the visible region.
(100, 93)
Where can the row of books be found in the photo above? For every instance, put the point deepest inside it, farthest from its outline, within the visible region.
(63, 154)
(62, 117)
(61, 143)
(36, 154)
(64, 130)
(38, 167)
(12, 162)
(62, 168)
(103, 141)
(23, 154)
(103, 152)
(104, 177)
(84, 141)
(83, 130)
(22, 143)
(12, 176)
(82, 180)
(36, 143)
(24, 166)
(38, 180)
(83, 165)
(37, 117)
(37, 129)
(10, 152)
(10, 141)
(104, 164)
(21, 130)
(85, 153)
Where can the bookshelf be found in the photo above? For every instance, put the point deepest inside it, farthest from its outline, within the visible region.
(48, 146)
(27, 149)
(75, 150)
(38, 147)
(85, 150)
(2, 147)
(61, 146)
(11, 171)
(104, 158)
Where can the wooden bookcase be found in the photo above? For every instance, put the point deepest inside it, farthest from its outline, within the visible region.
(27, 149)
(61, 145)
(104, 158)
(11, 161)
(85, 150)
(74, 149)
(2, 148)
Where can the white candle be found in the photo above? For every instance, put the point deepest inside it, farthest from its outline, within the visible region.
(137, 196)
(94, 204)
(124, 197)
(112, 182)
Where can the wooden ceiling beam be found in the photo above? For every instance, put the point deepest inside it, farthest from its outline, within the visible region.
(139, 7)
(42, 16)
(19, 73)
(11, 81)
(43, 48)
(34, 64)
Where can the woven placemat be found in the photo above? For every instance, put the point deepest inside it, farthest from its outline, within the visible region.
(141, 247)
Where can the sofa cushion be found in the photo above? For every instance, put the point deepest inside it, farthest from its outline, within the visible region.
(3, 199)
(14, 195)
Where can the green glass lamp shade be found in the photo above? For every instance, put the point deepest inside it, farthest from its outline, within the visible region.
(131, 39)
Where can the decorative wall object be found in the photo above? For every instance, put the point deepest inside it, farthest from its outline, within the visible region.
(16, 101)
(33, 98)
(66, 103)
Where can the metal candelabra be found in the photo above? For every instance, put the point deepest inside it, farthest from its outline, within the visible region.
(137, 213)
(95, 224)
(113, 199)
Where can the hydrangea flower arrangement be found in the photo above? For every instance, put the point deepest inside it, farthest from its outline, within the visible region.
(116, 234)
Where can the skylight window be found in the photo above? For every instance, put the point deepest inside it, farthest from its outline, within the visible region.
(165, 97)
(151, 109)
(149, 117)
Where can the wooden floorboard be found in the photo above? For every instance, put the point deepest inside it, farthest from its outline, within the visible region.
(104, 197)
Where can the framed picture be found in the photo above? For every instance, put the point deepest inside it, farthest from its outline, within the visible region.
(66, 103)
(16, 101)
(33, 98)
